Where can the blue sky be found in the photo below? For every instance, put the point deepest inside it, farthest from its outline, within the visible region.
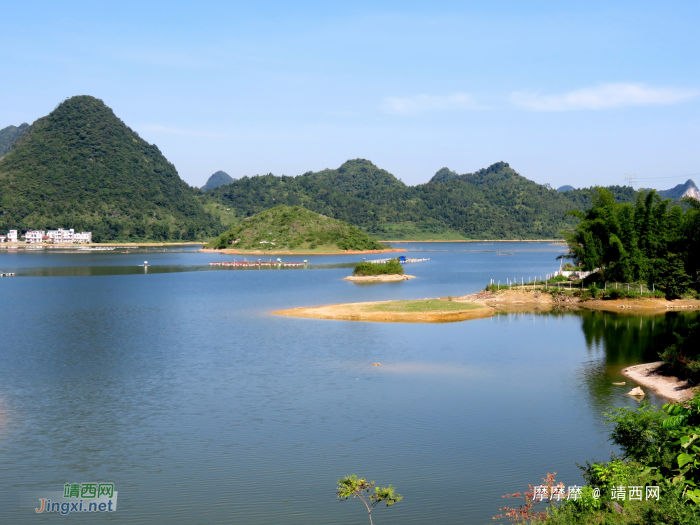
(567, 93)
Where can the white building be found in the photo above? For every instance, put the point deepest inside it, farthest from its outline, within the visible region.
(83, 237)
(60, 235)
(12, 236)
(3, 238)
(68, 236)
(33, 236)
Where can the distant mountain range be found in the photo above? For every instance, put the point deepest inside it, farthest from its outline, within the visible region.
(81, 167)
(217, 179)
(492, 203)
(8, 135)
(689, 189)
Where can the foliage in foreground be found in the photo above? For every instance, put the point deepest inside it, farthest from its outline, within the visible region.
(293, 228)
(683, 357)
(661, 448)
(352, 486)
(647, 241)
(391, 267)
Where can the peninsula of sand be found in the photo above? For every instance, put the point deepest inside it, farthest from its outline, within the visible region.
(479, 305)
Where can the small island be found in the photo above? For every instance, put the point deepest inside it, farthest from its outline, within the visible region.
(295, 230)
(442, 310)
(379, 272)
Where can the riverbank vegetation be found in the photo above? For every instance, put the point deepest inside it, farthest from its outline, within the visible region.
(648, 242)
(294, 228)
(366, 269)
(682, 358)
(660, 451)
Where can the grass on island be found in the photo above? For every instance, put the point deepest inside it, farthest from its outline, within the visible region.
(290, 228)
(367, 269)
(426, 305)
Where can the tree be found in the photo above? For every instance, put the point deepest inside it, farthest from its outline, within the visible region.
(361, 488)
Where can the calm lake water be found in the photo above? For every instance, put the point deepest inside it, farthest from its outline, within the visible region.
(179, 387)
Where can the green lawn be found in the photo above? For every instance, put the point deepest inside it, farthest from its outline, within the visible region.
(429, 305)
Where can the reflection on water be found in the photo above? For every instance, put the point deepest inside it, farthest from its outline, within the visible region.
(95, 271)
(629, 338)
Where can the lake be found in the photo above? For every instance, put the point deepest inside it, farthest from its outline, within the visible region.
(179, 387)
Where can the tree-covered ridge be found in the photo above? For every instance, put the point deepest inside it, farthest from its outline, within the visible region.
(217, 179)
(81, 167)
(8, 135)
(493, 203)
(293, 228)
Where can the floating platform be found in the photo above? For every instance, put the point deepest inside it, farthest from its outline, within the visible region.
(256, 264)
(402, 260)
(6, 274)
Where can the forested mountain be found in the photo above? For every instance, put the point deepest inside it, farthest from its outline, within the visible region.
(492, 203)
(565, 188)
(8, 135)
(217, 179)
(81, 167)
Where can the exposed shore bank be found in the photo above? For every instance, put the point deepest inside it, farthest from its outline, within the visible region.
(539, 299)
(650, 375)
(378, 278)
(299, 252)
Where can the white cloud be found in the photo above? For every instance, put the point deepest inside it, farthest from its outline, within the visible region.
(603, 97)
(193, 133)
(424, 103)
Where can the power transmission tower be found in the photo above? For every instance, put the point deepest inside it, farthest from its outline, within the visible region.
(631, 179)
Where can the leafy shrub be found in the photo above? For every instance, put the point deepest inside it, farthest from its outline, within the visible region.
(683, 357)
(392, 267)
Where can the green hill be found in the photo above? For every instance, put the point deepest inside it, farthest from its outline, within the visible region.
(217, 179)
(294, 228)
(492, 203)
(8, 135)
(81, 167)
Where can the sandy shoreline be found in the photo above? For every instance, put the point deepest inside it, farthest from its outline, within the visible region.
(378, 278)
(300, 252)
(670, 387)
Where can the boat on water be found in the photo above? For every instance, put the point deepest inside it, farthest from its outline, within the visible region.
(499, 253)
